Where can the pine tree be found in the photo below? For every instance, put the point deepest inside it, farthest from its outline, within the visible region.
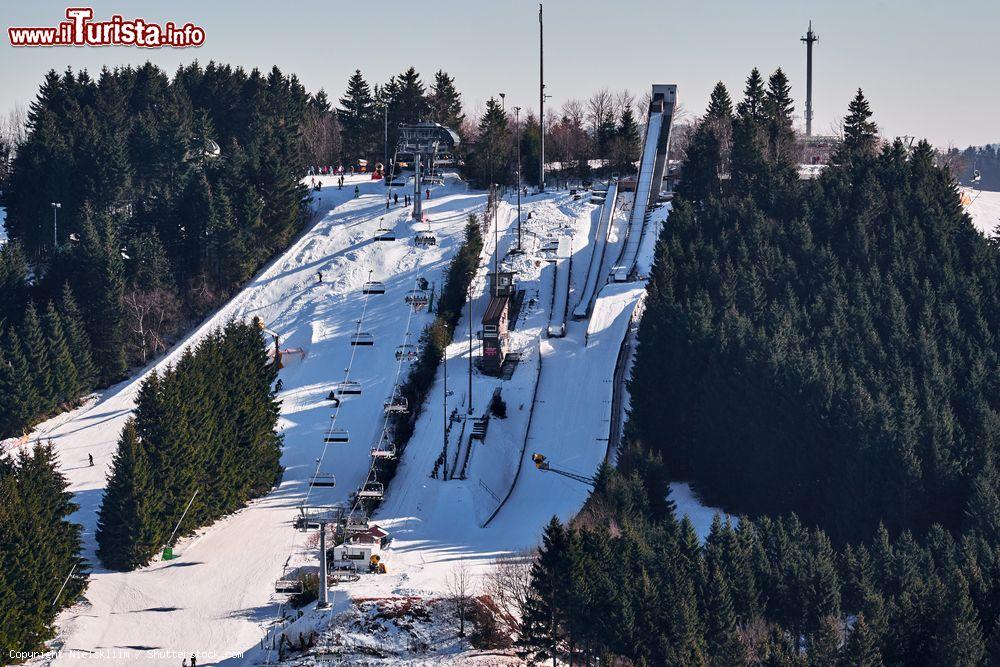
(121, 517)
(446, 102)
(753, 105)
(720, 105)
(862, 646)
(540, 627)
(357, 118)
(24, 404)
(77, 339)
(860, 133)
(103, 287)
(65, 379)
(37, 353)
(959, 640)
(778, 109)
(823, 645)
(13, 283)
(722, 638)
(490, 162)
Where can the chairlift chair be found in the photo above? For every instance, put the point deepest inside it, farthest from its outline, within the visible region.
(372, 490)
(416, 297)
(380, 454)
(407, 352)
(348, 388)
(362, 338)
(385, 234)
(356, 524)
(323, 479)
(396, 405)
(373, 287)
(425, 239)
(288, 586)
(337, 436)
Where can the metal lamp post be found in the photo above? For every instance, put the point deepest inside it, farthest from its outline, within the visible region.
(55, 224)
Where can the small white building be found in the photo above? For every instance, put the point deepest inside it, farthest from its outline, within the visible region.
(356, 552)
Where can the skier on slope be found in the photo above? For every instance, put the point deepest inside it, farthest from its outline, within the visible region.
(357, 191)
(91, 457)
(395, 198)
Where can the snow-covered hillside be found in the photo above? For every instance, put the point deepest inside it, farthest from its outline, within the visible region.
(217, 598)
(984, 210)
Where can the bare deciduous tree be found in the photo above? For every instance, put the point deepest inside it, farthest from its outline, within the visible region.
(461, 590)
(600, 109)
(320, 138)
(508, 584)
(151, 315)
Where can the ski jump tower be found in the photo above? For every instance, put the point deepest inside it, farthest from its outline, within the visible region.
(649, 180)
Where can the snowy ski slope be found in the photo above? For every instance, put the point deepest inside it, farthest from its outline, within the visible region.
(217, 595)
(984, 210)
(217, 598)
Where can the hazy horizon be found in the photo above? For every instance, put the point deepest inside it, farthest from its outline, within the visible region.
(917, 62)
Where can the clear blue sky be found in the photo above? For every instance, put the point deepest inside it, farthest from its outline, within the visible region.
(927, 66)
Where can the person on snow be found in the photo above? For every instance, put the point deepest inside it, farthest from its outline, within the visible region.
(357, 191)
(395, 198)
(91, 457)
(319, 277)
(428, 195)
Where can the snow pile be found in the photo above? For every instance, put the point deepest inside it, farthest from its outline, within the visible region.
(984, 210)
(392, 631)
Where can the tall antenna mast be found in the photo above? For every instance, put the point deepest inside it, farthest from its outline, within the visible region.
(541, 99)
(810, 39)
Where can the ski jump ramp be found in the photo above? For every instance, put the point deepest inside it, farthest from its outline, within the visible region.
(594, 273)
(560, 293)
(647, 186)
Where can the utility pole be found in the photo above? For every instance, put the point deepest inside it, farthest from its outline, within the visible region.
(496, 236)
(470, 347)
(541, 100)
(810, 39)
(55, 224)
(418, 209)
(324, 600)
(444, 447)
(517, 131)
